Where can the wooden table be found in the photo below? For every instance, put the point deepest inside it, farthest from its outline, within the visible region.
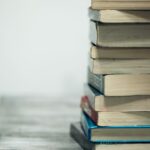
(37, 123)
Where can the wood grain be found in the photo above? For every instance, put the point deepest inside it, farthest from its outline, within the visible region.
(37, 123)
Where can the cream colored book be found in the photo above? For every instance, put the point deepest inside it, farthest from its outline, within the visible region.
(120, 35)
(134, 118)
(123, 118)
(120, 66)
(77, 133)
(121, 5)
(119, 53)
(115, 133)
(100, 102)
(119, 16)
(120, 84)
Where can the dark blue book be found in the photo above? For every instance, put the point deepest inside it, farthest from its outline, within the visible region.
(114, 134)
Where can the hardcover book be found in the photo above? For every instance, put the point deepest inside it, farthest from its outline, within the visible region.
(120, 35)
(121, 4)
(120, 84)
(100, 102)
(119, 53)
(134, 118)
(119, 16)
(114, 134)
(120, 66)
(78, 135)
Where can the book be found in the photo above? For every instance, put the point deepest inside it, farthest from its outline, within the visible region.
(114, 134)
(119, 16)
(134, 118)
(119, 66)
(119, 53)
(120, 35)
(121, 5)
(120, 84)
(78, 135)
(100, 102)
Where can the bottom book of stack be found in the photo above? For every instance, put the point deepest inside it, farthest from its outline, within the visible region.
(93, 137)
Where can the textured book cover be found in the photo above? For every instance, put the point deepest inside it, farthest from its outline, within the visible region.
(96, 81)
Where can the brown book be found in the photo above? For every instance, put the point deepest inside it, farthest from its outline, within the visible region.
(100, 102)
(136, 118)
(119, 53)
(121, 4)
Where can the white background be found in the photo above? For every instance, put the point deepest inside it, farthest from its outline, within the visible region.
(43, 47)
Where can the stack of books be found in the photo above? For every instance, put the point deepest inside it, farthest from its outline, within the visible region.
(116, 102)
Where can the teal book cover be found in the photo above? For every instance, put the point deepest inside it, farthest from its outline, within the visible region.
(88, 125)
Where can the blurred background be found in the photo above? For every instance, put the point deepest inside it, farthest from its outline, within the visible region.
(43, 61)
(43, 47)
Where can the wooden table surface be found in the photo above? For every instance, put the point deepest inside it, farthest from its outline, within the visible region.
(33, 123)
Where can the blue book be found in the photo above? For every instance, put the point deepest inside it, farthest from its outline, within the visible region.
(114, 134)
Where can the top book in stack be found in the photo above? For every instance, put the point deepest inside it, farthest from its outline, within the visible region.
(121, 4)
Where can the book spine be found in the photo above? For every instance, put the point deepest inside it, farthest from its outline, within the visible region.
(94, 14)
(84, 125)
(93, 32)
(90, 95)
(96, 81)
(80, 138)
(85, 106)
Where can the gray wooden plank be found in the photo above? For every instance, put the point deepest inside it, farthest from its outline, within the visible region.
(37, 123)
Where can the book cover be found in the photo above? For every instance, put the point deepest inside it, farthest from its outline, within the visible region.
(120, 35)
(119, 16)
(120, 5)
(119, 84)
(78, 135)
(97, 52)
(106, 118)
(100, 102)
(88, 126)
